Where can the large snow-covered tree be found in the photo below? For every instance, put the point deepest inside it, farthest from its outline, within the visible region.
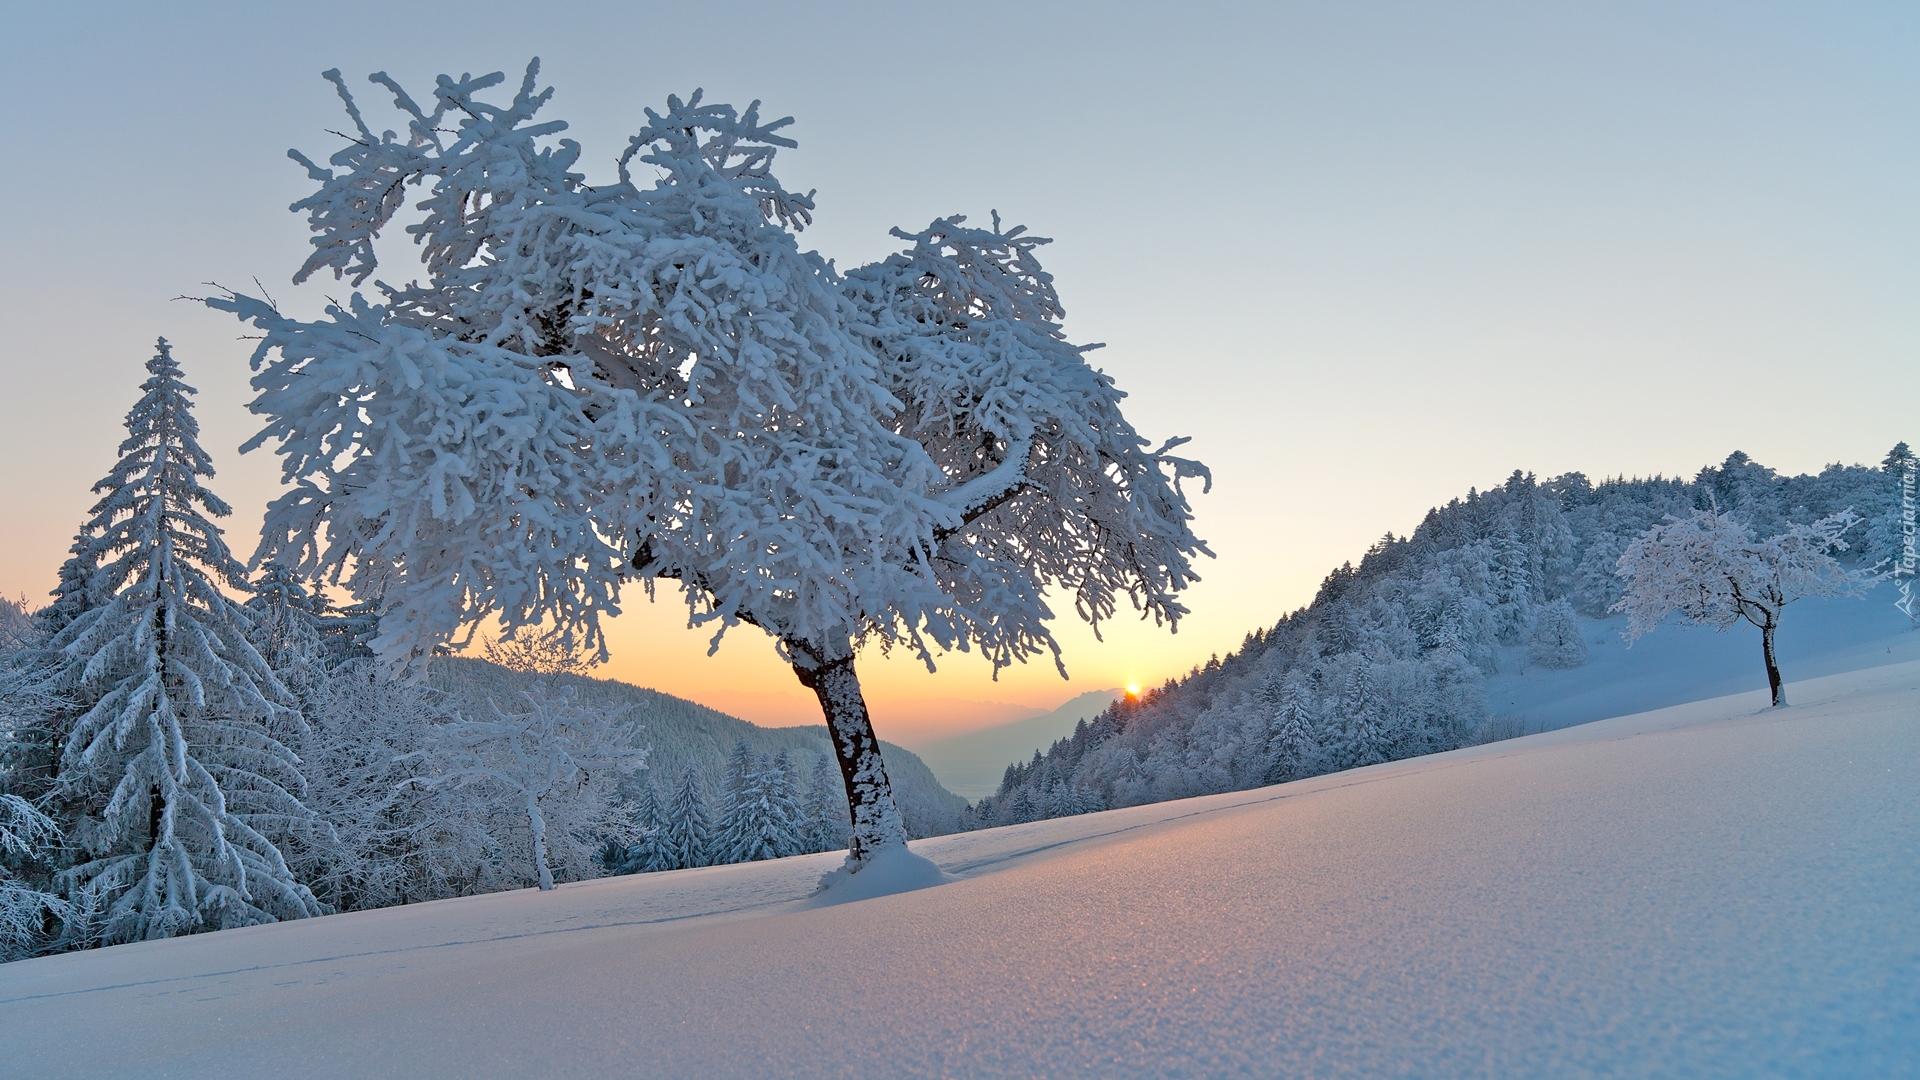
(173, 765)
(1709, 567)
(597, 383)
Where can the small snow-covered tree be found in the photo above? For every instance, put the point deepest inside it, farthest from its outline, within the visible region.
(758, 816)
(1357, 732)
(643, 854)
(559, 763)
(1709, 567)
(16, 627)
(1293, 749)
(826, 808)
(174, 761)
(684, 825)
(29, 915)
(1554, 641)
(381, 839)
(601, 382)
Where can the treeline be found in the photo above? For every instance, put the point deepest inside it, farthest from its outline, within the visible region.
(1390, 658)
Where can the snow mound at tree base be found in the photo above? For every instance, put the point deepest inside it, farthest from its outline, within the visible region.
(892, 869)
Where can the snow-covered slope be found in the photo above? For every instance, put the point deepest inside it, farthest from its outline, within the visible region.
(1713, 888)
(972, 764)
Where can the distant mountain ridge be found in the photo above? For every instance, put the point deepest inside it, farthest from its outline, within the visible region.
(973, 764)
(679, 731)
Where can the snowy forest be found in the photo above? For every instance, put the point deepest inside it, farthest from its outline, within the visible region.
(1389, 659)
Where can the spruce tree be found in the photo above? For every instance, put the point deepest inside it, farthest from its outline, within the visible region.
(1292, 750)
(644, 855)
(174, 771)
(286, 626)
(758, 818)
(826, 808)
(684, 828)
(786, 802)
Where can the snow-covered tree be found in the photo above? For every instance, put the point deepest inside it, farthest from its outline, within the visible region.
(1554, 641)
(559, 763)
(1293, 748)
(1709, 567)
(1357, 731)
(759, 818)
(643, 854)
(29, 915)
(826, 808)
(684, 828)
(174, 761)
(286, 620)
(381, 839)
(598, 383)
(16, 627)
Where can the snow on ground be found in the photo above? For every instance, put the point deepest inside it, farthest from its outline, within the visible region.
(1713, 888)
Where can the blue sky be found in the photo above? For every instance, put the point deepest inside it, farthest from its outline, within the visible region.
(1368, 255)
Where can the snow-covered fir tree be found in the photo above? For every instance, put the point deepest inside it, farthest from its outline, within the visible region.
(759, 818)
(643, 853)
(860, 490)
(287, 617)
(30, 916)
(173, 768)
(684, 824)
(826, 807)
(1293, 749)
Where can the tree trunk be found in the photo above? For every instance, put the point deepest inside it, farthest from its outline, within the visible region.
(1773, 667)
(539, 826)
(876, 819)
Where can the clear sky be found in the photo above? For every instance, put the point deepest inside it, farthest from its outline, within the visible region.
(1368, 255)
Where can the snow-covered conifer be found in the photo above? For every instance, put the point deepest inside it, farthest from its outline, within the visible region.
(29, 916)
(286, 620)
(175, 754)
(758, 816)
(1293, 748)
(1358, 732)
(684, 828)
(1709, 567)
(1512, 580)
(642, 854)
(826, 807)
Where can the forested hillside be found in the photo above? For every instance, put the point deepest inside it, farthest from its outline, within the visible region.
(1391, 657)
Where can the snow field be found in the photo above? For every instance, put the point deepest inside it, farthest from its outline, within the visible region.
(1713, 888)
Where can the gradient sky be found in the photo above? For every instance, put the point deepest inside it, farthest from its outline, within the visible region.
(1367, 255)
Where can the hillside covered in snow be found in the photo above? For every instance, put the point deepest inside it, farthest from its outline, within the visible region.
(1715, 888)
(1500, 613)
